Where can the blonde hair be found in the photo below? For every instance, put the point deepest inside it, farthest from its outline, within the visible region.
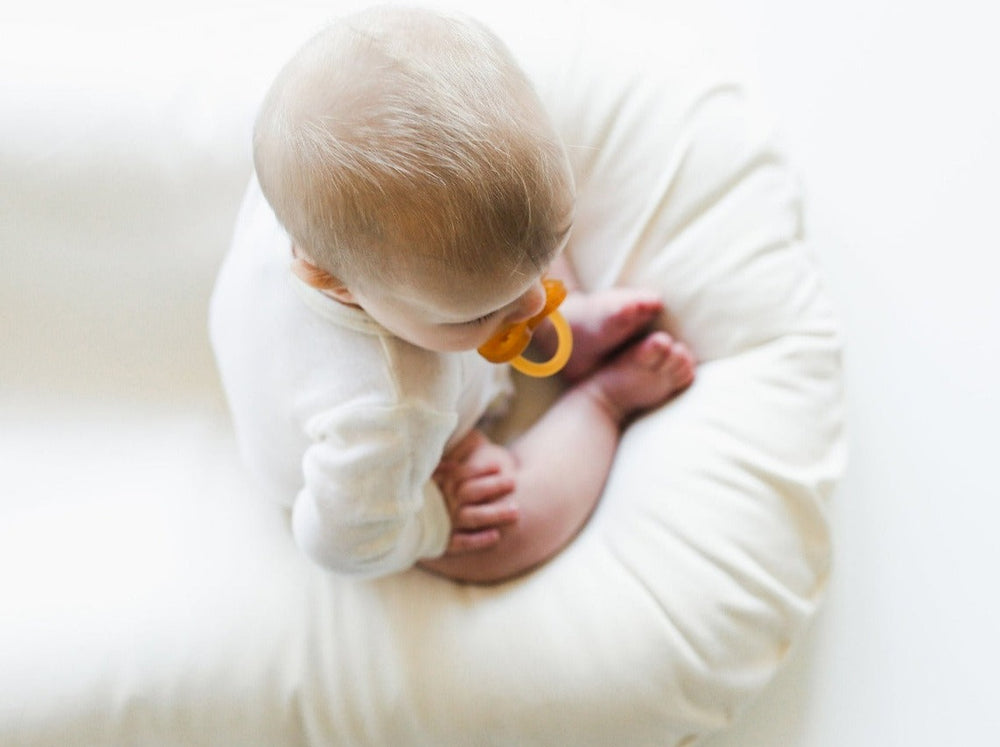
(415, 133)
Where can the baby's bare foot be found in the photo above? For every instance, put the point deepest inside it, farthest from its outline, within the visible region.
(644, 375)
(602, 322)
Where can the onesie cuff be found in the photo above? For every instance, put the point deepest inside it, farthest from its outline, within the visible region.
(436, 523)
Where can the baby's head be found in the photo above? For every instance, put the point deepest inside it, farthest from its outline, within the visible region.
(405, 152)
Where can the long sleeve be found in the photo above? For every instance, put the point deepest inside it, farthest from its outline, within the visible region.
(368, 506)
(335, 417)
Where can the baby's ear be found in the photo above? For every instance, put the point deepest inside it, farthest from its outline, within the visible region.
(321, 280)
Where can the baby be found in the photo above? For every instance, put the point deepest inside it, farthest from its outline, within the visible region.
(412, 194)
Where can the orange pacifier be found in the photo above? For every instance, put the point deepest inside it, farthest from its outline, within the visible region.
(509, 343)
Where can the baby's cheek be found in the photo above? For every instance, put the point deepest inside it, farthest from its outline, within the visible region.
(446, 339)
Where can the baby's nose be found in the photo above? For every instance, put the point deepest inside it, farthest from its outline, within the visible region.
(529, 304)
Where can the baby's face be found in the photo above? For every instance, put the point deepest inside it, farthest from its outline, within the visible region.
(446, 313)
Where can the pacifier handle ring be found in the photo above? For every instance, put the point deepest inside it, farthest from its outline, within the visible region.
(558, 360)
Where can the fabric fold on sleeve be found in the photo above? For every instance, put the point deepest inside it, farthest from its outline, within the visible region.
(368, 506)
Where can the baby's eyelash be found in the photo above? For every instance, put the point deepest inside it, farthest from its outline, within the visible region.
(481, 320)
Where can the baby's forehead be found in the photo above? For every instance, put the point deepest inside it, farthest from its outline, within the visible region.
(453, 296)
(442, 271)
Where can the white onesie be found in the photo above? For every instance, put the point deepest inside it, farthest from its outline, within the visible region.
(334, 415)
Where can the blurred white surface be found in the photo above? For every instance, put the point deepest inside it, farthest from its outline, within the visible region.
(892, 112)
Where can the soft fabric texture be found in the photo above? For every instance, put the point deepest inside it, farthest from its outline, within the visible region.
(150, 599)
(329, 406)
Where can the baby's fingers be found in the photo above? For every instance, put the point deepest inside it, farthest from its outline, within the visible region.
(473, 440)
(481, 516)
(463, 543)
(450, 476)
(483, 488)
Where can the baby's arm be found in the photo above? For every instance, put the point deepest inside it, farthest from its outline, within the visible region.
(368, 506)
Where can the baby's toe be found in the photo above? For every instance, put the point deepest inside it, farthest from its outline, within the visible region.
(680, 365)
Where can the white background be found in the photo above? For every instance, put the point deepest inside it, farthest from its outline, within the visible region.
(892, 113)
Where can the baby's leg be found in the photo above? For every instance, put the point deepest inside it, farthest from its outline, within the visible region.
(563, 461)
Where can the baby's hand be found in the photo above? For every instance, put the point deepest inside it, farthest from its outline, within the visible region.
(477, 480)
